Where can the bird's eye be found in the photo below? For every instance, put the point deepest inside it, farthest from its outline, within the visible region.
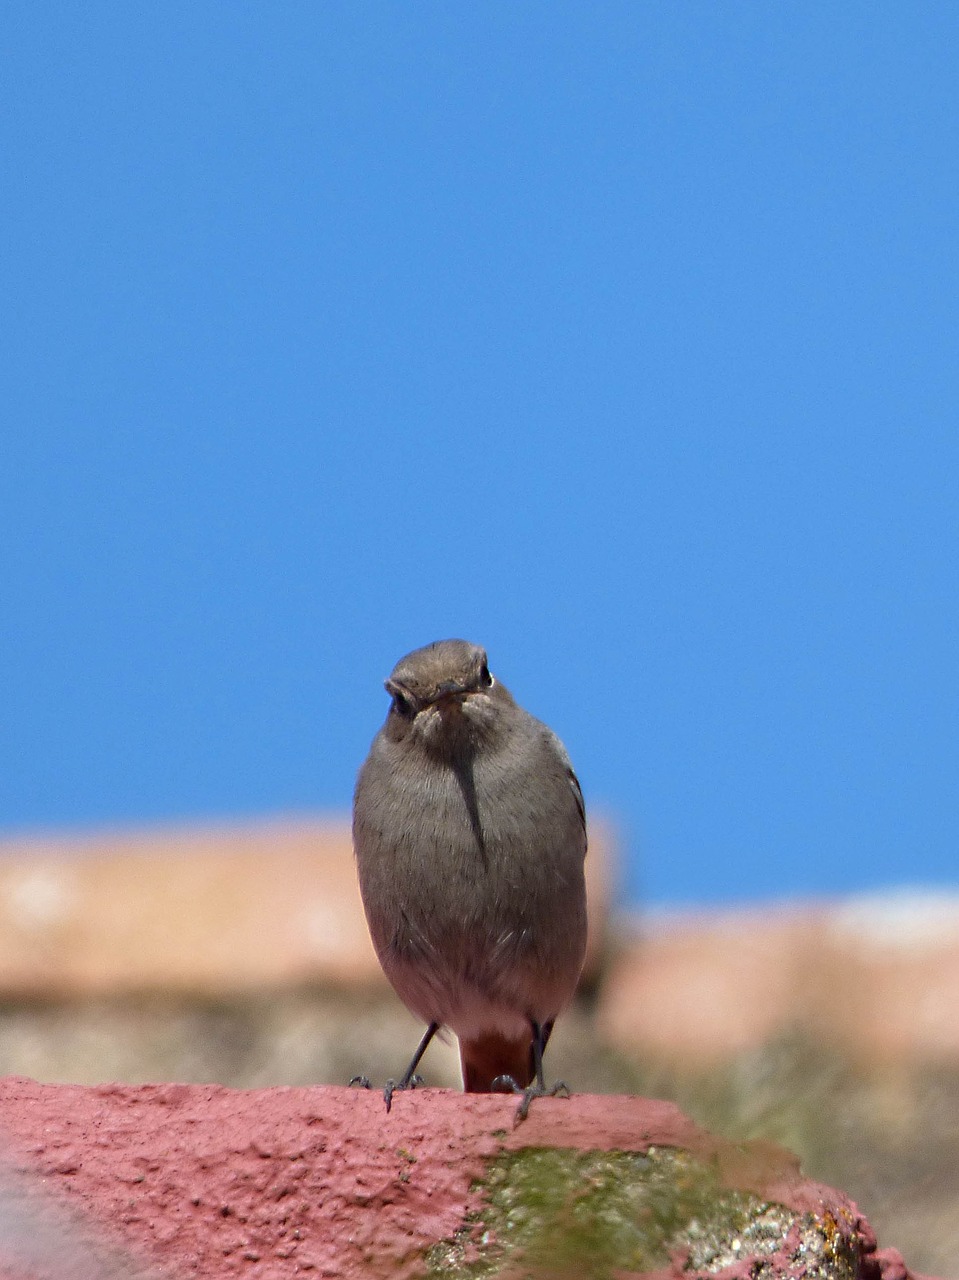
(402, 705)
(485, 677)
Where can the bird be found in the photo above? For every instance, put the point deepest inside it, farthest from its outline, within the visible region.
(469, 830)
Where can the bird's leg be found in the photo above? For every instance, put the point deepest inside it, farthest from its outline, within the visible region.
(538, 1089)
(410, 1079)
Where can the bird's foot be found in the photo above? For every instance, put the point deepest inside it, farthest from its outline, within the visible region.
(393, 1087)
(363, 1082)
(506, 1084)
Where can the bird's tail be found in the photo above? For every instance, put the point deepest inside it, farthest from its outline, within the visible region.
(492, 1055)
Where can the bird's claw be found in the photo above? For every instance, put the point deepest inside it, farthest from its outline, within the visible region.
(364, 1082)
(392, 1086)
(506, 1084)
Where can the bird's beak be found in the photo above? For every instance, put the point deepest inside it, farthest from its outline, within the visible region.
(448, 689)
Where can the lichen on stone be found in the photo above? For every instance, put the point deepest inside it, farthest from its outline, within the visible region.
(564, 1212)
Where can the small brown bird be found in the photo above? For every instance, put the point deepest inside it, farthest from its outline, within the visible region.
(470, 837)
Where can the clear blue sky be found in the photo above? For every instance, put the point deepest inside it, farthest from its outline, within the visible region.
(620, 338)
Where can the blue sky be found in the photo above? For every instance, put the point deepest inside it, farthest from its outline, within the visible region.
(619, 338)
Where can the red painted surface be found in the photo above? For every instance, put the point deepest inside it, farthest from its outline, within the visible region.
(214, 1182)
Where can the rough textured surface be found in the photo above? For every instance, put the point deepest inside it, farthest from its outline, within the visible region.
(208, 1181)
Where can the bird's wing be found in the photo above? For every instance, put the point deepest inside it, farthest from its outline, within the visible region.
(577, 790)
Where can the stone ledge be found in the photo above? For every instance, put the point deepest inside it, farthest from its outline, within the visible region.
(207, 1181)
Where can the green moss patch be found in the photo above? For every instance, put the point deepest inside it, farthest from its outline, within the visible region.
(563, 1212)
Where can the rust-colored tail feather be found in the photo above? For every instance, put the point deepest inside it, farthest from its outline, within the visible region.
(490, 1056)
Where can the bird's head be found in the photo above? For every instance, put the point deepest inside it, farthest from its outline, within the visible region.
(443, 694)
